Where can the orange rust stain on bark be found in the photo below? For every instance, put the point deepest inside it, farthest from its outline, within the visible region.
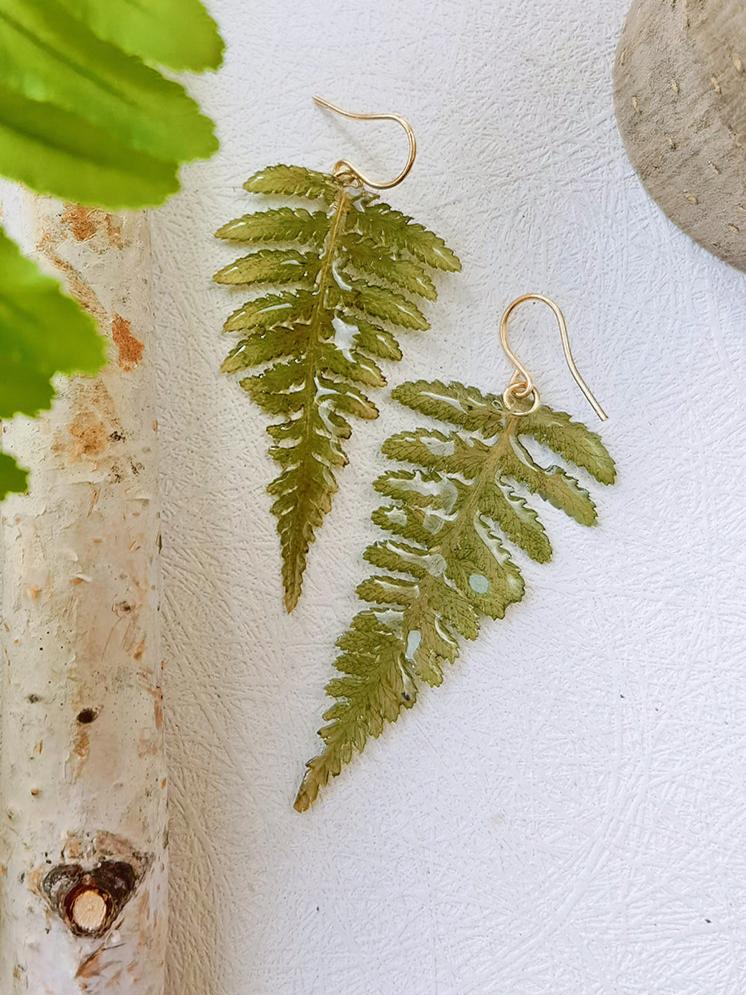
(84, 222)
(88, 434)
(80, 220)
(81, 746)
(129, 347)
(77, 286)
(94, 426)
(139, 650)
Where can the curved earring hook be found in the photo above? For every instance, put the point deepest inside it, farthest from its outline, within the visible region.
(526, 386)
(344, 166)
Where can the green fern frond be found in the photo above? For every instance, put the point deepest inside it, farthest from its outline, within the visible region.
(280, 266)
(350, 273)
(391, 229)
(293, 181)
(271, 311)
(444, 563)
(284, 224)
(365, 256)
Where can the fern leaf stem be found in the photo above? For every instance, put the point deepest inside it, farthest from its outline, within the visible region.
(418, 611)
(295, 552)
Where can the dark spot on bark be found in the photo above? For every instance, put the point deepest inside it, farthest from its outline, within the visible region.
(33, 698)
(87, 715)
(406, 696)
(116, 436)
(114, 881)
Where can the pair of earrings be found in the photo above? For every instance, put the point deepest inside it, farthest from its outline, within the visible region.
(346, 275)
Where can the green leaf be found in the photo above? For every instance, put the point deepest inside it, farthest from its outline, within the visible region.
(13, 480)
(445, 559)
(264, 346)
(42, 332)
(175, 33)
(372, 691)
(454, 403)
(271, 266)
(366, 258)
(50, 56)
(376, 341)
(316, 346)
(391, 229)
(58, 153)
(437, 450)
(284, 224)
(386, 305)
(40, 327)
(516, 519)
(23, 389)
(572, 442)
(82, 119)
(270, 311)
(293, 181)
(551, 483)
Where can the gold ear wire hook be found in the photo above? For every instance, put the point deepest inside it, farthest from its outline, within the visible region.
(344, 166)
(524, 387)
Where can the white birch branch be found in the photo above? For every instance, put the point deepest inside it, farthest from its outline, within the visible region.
(84, 903)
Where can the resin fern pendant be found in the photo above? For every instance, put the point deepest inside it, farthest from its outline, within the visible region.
(343, 277)
(453, 511)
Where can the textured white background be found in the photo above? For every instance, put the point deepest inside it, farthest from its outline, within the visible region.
(566, 815)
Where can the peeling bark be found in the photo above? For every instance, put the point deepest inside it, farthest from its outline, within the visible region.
(84, 889)
(680, 94)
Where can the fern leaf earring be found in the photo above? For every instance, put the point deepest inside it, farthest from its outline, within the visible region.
(445, 564)
(344, 276)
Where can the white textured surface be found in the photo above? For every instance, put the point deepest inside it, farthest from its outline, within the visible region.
(566, 815)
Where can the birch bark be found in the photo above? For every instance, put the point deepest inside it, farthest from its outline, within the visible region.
(83, 770)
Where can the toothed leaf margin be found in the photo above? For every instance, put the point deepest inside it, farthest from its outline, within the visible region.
(339, 281)
(452, 514)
